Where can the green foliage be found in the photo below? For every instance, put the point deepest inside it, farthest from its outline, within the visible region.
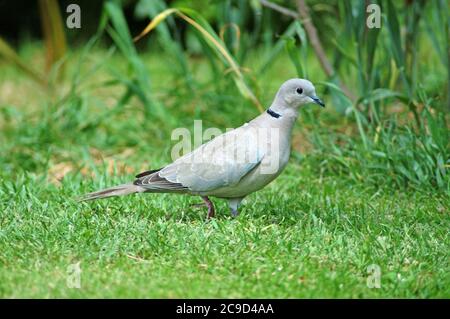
(396, 156)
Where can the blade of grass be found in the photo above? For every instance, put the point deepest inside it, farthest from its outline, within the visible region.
(357, 113)
(293, 54)
(277, 47)
(141, 84)
(10, 55)
(54, 36)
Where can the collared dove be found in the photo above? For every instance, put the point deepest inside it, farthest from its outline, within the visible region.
(234, 164)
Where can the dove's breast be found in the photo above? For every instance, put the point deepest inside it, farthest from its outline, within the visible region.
(276, 156)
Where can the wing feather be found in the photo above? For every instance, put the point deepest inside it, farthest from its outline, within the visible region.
(223, 161)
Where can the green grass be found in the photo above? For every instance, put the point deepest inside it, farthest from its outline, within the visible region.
(303, 236)
(363, 187)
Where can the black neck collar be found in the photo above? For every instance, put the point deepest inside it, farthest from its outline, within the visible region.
(273, 114)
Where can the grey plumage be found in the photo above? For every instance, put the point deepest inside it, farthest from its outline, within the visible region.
(234, 164)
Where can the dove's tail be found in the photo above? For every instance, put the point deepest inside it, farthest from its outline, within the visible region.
(120, 190)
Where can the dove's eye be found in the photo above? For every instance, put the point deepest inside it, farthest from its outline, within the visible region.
(299, 90)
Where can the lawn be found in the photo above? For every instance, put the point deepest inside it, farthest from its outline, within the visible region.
(361, 211)
(303, 236)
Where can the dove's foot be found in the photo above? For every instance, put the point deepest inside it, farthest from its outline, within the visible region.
(210, 205)
(234, 204)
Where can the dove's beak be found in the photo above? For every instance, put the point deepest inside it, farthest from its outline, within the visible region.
(317, 101)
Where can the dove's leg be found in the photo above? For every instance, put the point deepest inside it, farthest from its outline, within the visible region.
(234, 204)
(210, 206)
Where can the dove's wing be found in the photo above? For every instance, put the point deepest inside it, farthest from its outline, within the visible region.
(221, 162)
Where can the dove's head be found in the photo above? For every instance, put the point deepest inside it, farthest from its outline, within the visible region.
(296, 92)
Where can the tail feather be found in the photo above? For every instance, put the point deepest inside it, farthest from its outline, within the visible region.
(119, 190)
